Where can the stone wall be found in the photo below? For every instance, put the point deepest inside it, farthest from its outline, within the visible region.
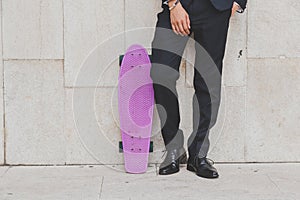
(45, 42)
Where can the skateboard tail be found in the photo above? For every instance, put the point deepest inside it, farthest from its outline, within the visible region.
(135, 156)
(136, 163)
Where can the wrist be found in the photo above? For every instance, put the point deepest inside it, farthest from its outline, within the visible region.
(172, 4)
(238, 7)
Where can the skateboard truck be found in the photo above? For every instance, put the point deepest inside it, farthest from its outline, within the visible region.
(121, 147)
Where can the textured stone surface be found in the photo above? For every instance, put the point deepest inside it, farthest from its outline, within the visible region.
(3, 170)
(93, 133)
(1, 52)
(272, 126)
(92, 128)
(235, 60)
(76, 151)
(33, 29)
(72, 182)
(227, 137)
(258, 118)
(237, 181)
(139, 26)
(34, 112)
(272, 31)
(87, 25)
(1, 97)
(51, 183)
(1, 128)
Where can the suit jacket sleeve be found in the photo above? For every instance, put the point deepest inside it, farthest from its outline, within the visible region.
(242, 3)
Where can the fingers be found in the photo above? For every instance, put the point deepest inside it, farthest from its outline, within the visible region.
(182, 27)
(233, 12)
(175, 29)
(180, 21)
(186, 26)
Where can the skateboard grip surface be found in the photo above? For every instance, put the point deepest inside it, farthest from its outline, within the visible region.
(136, 101)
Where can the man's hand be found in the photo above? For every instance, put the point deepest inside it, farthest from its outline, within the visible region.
(235, 8)
(180, 19)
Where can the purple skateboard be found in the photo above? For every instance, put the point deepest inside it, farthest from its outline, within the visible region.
(136, 101)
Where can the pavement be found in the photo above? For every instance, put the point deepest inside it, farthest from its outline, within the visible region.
(276, 181)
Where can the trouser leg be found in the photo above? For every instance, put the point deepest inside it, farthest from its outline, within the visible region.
(210, 36)
(167, 49)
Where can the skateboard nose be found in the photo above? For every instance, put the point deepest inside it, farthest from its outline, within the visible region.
(135, 48)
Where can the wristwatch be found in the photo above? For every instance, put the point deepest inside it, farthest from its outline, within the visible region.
(240, 10)
(174, 4)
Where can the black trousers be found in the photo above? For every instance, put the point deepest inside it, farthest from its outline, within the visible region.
(210, 28)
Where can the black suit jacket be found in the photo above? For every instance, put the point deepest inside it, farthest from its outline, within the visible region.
(223, 4)
(226, 4)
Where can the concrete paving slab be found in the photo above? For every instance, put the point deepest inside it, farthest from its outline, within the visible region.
(236, 182)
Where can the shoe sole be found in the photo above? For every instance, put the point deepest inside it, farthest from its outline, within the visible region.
(192, 169)
(168, 173)
(182, 160)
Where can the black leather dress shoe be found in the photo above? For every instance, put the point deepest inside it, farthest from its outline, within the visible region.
(203, 167)
(171, 163)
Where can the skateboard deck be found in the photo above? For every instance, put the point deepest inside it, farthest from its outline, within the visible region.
(136, 101)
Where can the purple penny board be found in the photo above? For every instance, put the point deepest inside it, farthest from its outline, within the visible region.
(136, 101)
